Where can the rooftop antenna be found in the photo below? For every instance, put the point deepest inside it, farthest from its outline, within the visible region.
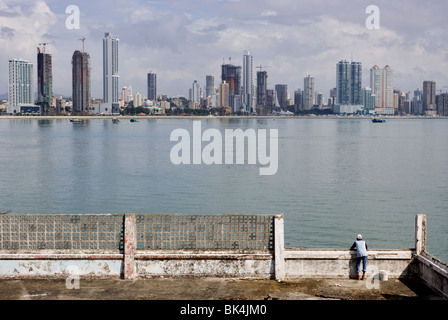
(83, 39)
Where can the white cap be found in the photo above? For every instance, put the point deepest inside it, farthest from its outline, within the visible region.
(359, 237)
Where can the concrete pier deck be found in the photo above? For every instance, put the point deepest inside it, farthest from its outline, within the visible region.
(214, 289)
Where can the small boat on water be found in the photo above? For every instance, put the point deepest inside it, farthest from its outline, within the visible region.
(376, 120)
(115, 120)
(75, 120)
(134, 120)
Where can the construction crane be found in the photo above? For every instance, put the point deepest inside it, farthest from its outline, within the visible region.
(44, 44)
(83, 39)
(261, 67)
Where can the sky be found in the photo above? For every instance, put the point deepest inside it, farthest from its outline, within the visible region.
(183, 41)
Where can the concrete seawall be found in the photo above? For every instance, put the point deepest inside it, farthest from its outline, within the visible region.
(229, 246)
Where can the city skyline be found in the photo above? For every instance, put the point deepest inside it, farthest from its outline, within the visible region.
(189, 41)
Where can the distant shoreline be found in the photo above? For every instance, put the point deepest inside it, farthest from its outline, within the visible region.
(210, 117)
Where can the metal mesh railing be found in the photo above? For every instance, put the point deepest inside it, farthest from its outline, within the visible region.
(154, 232)
(205, 232)
(61, 232)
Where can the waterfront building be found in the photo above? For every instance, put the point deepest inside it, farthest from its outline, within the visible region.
(224, 90)
(368, 99)
(298, 100)
(388, 87)
(110, 72)
(262, 81)
(44, 81)
(196, 93)
(308, 92)
(232, 76)
(382, 85)
(152, 86)
(281, 94)
(209, 86)
(348, 87)
(442, 104)
(429, 98)
(20, 86)
(81, 82)
(248, 81)
(138, 100)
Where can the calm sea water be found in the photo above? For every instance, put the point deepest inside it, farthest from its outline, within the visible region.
(336, 177)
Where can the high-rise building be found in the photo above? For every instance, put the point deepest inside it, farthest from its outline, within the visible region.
(298, 100)
(152, 86)
(442, 104)
(376, 84)
(308, 93)
(349, 83)
(196, 93)
(368, 99)
(262, 81)
(81, 82)
(110, 71)
(224, 90)
(356, 83)
(429, 97)
(44, 81)
(248, 81)
(232, 75)
(388, 88)
(382, 85)
(20, 87)
(281, 94)
(209, 86)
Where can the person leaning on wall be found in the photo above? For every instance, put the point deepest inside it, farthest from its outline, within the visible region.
(361, 255)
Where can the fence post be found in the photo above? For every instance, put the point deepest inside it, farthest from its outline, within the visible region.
(420, 234)
(279, 247)
(129, 246)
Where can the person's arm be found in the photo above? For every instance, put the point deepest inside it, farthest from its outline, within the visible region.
(353, 246)
(367, 247)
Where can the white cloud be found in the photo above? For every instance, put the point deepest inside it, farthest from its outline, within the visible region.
(269, 13)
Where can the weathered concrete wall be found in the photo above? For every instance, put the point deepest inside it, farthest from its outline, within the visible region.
(60, 268)
(342, 263)
(206, 264)
(434, 272)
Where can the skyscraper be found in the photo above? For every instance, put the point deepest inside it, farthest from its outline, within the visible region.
(298, 100)
(209, 86)
(308, 93)
(248, 81)
(110, 71)
(44, 80)
(196, 93)
(232, 75)
(20, 88)
(152, 86)
(388, 88)
(262, 81)
(356, 83)
(429, 97)
(349, 84)
(382, 85)
(281, 93)
(442, 104)
(343, 74)
(376, 84)
(81, 82)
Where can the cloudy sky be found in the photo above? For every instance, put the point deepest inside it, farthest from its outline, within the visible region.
(183, 41)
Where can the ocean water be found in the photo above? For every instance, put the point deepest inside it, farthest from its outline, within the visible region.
(336, 177)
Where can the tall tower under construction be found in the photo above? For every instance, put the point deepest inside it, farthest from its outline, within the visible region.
(44, 80)
(81, 82)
